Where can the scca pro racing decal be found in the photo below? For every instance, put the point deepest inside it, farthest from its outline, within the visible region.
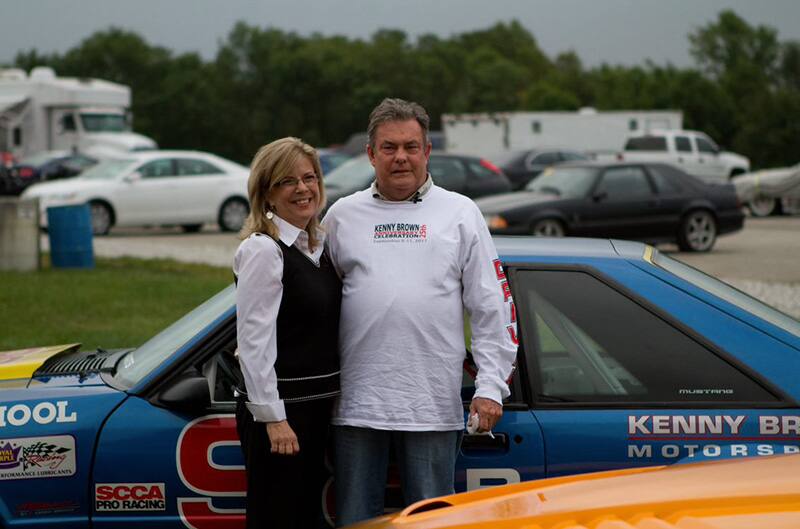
(129, 497)
(37, 457)
(711, 436)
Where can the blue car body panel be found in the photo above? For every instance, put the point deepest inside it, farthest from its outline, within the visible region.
(129, 460)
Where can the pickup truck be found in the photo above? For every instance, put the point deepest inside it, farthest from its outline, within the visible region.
(692, 151)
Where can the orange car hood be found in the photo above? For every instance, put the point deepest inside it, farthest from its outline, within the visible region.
(731, 494)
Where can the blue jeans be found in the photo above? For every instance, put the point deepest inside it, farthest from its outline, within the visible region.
(426, 463)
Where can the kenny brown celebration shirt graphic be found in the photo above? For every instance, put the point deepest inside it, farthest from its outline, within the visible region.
(401, 232)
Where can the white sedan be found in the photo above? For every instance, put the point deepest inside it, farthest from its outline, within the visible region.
(154, 188)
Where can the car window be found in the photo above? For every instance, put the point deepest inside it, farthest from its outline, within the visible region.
(447, 172)
(663, 183)
(704, 145)
(565, 182)
(190, 167)
(545, 158)
(573, 156)
(157, 168)
(682, 144)
(622, 183)
(646, 143)
(480, 171)
(594, 344)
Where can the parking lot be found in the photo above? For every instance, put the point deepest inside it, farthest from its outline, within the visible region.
(761, 260)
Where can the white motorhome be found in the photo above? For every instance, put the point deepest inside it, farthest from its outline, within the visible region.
(43, 112)
(589, 130)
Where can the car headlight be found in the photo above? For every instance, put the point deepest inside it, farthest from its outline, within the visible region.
(495, 222)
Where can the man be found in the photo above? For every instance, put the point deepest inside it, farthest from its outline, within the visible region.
(412, 256)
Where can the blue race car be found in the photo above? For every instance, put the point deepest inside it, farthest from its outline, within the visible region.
(627, 358)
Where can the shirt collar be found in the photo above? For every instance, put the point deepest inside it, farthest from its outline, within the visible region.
(289, 234)
(416, 197)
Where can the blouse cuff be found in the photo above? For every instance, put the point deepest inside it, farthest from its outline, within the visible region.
(271, 412)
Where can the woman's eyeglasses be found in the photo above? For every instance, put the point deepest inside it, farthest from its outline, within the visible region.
(292, 182)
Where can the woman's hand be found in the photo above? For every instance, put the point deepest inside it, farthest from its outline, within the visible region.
(282, 438)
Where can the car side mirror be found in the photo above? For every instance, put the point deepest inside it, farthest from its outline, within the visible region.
(133, 177)
(189, 392)
(599, 196)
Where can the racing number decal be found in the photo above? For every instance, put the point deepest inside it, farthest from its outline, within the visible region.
(202, 475)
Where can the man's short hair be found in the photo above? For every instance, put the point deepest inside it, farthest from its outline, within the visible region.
(394, 109)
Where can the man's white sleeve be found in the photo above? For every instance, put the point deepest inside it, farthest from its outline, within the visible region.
(487, 299)
(258, 265)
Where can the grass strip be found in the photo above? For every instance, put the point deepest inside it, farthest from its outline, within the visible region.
(120, 303)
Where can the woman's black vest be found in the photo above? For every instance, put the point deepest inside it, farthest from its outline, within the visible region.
(308, 328)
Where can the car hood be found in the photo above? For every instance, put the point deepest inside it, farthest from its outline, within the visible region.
(507, 201)
(60, 187)
(22, 363)
(701, 492)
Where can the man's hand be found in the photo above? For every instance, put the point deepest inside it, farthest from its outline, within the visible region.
(489, 412)
(282, 438)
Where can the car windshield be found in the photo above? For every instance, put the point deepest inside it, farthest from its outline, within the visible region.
(506, 158)
(566, 182)
(108, 169)
(728, 293)
(96, 122)
(140, 362)
(353, 175)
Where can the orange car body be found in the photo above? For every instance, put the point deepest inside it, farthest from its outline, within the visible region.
(734, 494)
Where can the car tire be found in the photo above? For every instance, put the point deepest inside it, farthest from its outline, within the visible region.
(191, 228)
(761, 206)
(232, 214)
(548, 228)
(698, 231)
(102, 217)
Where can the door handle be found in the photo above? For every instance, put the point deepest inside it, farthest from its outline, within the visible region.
(483, 442)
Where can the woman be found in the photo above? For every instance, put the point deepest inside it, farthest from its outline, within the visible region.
(287, 309)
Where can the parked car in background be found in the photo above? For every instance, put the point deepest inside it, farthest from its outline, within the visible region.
(691, 151)
(650, 202)
(468, 175)
(627, 358)
(753, 493)
(523, 166)
(770, 191)
(330, 159)
(154, 188)
(41, 167)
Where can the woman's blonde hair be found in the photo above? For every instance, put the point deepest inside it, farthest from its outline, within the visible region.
(272, 163)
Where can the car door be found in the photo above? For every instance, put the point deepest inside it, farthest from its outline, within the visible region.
(178, 465)
(151, 198)
(712, 168)
(618, 383)
(515, 451)
(201, 185)
(620, 205)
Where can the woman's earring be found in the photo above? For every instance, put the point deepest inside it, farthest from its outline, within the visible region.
(269, 213)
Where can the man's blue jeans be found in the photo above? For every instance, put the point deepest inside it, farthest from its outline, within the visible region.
(426, 462)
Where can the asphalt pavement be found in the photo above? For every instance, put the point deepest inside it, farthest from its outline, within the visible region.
(763, 259)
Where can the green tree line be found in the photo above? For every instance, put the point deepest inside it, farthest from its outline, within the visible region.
(266, 83)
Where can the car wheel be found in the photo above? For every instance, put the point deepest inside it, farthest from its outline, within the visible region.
(548, 228)
(232, 214)
(698, 231)
(102, 218)
(191, 228)
(790, 206)
(761, 206)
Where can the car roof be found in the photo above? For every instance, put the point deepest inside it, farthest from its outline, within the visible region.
(140, 156)
(510, 247)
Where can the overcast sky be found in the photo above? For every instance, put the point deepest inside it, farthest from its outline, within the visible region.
(612, 31)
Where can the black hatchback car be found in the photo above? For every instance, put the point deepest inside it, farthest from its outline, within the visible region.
(643, 201)
(468, 175)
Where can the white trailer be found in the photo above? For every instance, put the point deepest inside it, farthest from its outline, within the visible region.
(44, 112)
(589, 130)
